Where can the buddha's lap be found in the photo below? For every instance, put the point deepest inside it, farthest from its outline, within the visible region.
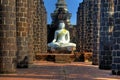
(61, 44)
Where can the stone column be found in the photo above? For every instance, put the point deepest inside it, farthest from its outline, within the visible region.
(8, 36)
(107, 10)
(30, 30)
(96, 32)
(22, 33)
(116, 42)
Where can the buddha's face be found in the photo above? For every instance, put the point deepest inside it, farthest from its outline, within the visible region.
(61, 25)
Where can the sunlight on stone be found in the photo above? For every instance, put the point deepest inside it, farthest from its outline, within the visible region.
(105, 79)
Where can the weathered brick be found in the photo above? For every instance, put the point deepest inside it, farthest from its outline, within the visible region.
(22, 33)
(40, 29)
(7, 37)
(105, 36)
(116, 38)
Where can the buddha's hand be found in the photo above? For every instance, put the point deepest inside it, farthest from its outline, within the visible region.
(54, 41)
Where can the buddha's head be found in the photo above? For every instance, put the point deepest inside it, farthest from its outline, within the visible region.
(61, 25)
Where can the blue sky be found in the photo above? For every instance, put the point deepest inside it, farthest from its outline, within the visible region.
(72, 6)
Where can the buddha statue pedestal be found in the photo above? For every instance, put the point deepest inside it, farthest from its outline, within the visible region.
(64, 58)
(59, 50)
(63, 54)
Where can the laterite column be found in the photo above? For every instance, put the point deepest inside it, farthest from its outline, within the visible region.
(85, 9)
(116, 38)
(43, 28)
(7, 36)
(89, 25)
(80, 29)
(106, 22)
(30, 30)
(96, 32)
(36, 29)
(22, 33)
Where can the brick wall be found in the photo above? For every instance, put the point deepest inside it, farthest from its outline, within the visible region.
(7, 36)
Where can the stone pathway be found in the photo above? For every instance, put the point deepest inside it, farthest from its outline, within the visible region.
(59, 71)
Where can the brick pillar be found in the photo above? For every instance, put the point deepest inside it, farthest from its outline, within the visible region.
(116, 42)
(35, 24)
(96, 32)
(30, 30)
(40, 28)
(22, 33)
(89, 25)
(43, 28)
(7, 36)
(105, 58)
(80, 29)
(86, 9)
(85, 24)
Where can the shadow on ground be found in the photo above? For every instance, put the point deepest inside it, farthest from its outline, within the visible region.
(55, 71)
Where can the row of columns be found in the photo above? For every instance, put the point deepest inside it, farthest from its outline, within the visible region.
(103, 22)
(17, 35)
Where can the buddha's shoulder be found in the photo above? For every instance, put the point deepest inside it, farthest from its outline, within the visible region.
(62, 30)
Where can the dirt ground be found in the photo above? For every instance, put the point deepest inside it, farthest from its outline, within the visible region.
(60, 71)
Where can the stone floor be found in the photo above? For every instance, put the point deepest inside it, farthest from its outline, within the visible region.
(59, 71)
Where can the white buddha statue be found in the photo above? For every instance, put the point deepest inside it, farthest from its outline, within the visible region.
(62, 39)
